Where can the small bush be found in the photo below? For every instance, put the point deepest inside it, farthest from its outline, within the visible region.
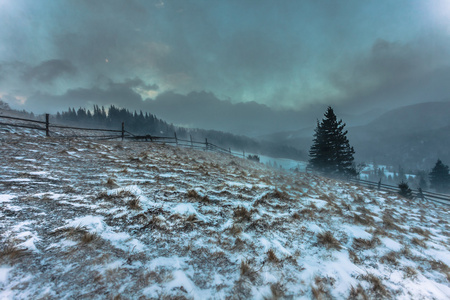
(253, 157)
(405, 191)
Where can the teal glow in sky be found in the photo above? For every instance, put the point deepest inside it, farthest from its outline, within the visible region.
(284, 54)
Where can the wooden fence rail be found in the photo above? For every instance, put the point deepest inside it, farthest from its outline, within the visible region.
(122, 134)
(207, 146)
(418, 194)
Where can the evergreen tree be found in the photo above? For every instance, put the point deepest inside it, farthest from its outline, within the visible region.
(405, 191)
(439, 177)
(331, 153)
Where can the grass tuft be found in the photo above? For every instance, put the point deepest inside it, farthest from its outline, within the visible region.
(134, 204)
(359, 243)
(271, 256)
(358, 293)
(328, 240)
(418, 242)
(242, 214)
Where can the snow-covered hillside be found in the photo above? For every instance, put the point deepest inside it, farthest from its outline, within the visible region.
(110, 220)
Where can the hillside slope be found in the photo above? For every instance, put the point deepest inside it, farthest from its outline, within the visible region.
(92, 219)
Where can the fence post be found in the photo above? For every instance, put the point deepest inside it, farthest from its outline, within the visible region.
(206, 144)
(243, 153)
(47, 124)
(192, 144)
(229, 150)
(176, 139)
(123, 130)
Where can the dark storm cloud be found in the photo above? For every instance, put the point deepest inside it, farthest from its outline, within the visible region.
(121, 94)
(301, 55)
(48, 70)
(395, 73)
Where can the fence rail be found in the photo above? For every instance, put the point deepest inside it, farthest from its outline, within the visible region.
(207, 146)
(418, 194)
(121, 134)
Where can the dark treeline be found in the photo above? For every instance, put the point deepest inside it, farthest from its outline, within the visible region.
(144, 123)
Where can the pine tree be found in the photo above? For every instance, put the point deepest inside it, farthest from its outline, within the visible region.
(331, 153)
(405, 191)
(440, 177)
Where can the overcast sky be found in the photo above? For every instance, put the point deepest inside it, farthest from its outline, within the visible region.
(287, 55)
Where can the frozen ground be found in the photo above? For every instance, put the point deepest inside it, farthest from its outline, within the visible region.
(91, 219)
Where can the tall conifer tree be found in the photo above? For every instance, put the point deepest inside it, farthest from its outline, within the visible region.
(331, 153)
(440, 177)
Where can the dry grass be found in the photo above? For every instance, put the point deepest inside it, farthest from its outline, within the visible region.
(363, 219)
(389, 222)
(89, 237)
(242, 214)
(358, 293)
(321, 289)
(353, 257)
(278, 291)
(192, 218)
(296, 216)
(328, 240)
(359, 243)
(271, 256)
(418, 242)
(307, 213)
(410, 272)
(378, 287)
(9, 252)
(246, 270)
(235, 230)
(418, 230)
(390, 258)
(134, 204)
(111, 183)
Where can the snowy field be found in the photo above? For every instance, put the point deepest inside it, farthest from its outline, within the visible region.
(112, 220)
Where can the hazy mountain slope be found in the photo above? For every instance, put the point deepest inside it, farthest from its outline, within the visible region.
(82, 219)
(413, 136)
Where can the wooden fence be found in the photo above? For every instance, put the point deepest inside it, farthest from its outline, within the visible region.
(418, 194)
(115, 134)
(207, 146)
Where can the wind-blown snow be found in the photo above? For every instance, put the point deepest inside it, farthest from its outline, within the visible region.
(138, 220)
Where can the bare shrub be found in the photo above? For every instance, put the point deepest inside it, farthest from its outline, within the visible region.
(328, 240)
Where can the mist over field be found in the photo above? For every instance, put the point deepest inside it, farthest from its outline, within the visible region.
(196, 149)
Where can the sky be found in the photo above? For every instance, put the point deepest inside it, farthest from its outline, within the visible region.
(174, 58)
